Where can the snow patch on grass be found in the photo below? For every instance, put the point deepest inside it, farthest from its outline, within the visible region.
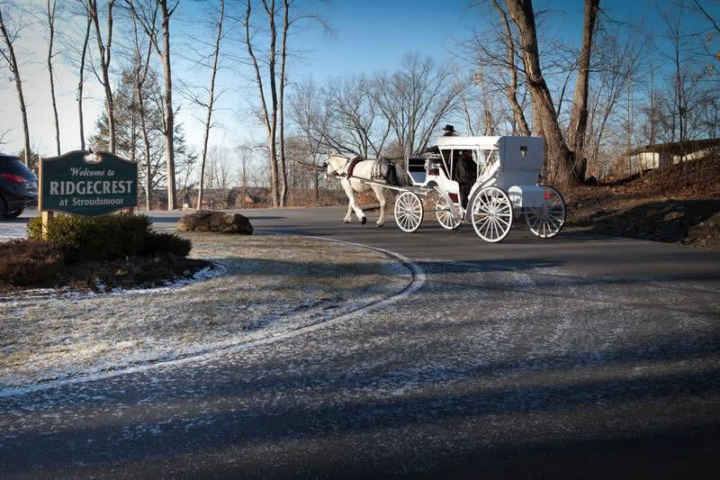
(263, 286)
(11, 231)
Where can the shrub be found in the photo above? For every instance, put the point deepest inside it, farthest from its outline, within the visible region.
(105, 238)
(167, 243)
(29, 262)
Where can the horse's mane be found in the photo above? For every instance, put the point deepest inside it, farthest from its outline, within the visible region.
(341, 155)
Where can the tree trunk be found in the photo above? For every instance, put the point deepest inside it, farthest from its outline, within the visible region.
(272, 134)
(489, 118)
(169, 114)
(511, 90)
(81, 84)
(269, 121)
(579, 116)
(105, 57)
(211, 103)
(316, 178)
(283, 57)
(560, 158)
(12, 62)
(51, 26)
(146, 144)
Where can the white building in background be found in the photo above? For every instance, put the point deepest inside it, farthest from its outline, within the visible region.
(658, 155)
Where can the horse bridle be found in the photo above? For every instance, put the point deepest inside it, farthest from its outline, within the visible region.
(334, 172)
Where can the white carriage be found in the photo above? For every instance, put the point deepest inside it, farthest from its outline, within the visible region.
(504, 186)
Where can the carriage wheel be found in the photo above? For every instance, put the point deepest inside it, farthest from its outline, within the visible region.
(446, 214)
(408, 212)
(492, 214)
(546, 222)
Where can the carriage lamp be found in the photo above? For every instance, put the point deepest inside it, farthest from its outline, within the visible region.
(523, 151)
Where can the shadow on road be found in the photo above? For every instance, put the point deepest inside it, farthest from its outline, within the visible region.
(444, 406)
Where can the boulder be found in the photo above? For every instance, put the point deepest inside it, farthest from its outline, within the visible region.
(218, 222)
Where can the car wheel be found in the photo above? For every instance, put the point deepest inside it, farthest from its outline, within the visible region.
(13, 213)
(5, 213)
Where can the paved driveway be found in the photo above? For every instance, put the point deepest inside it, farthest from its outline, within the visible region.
(573, 357)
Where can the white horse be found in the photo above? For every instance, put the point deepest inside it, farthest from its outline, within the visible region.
(337, 165)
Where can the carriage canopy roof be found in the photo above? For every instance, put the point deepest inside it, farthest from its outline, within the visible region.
(468, 142)
(485, 143)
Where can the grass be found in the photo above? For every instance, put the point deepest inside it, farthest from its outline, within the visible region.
(269, 285)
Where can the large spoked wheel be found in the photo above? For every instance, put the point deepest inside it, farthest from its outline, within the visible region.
(408, 212)
(445, 214)
(492, 214)
(546, 222)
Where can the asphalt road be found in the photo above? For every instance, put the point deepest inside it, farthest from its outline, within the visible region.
(575, 357)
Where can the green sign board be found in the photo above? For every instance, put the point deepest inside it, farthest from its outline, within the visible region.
(87, 184)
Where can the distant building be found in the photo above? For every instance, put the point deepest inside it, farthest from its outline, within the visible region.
(663, 154)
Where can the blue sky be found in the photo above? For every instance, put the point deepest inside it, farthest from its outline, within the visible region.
(369, 36)
(374, 35)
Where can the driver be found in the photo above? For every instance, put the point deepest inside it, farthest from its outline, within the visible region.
(464, 166)
(448, 131)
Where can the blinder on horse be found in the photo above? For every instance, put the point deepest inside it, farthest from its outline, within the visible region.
(333, 173)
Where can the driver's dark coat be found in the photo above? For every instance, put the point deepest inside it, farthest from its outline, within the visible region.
(464, 174)
(464, 169)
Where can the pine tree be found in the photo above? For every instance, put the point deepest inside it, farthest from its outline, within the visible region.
(128, 134)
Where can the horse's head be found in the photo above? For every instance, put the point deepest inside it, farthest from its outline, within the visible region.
(333, 165)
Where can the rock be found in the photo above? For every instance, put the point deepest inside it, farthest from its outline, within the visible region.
(218, 222)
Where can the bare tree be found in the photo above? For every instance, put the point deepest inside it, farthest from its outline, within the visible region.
(141, 71)
(81, 80)
(105, 52)
(312, 118)
(579, 116)
(269, 112)
(281, 102)
(212, 98)
(357, 121)
(561, 161)
(687, 71)
(142, 11)
(488, 117)
(50, 15)
(280, 18)
(8, 54)
(544, 113)
(511, 89)
(715, 25)
(617, 64)
(288, 22)
(415, 98)
(169, 114)
(245, 154)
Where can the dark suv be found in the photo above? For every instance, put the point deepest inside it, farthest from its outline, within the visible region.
(18, 187)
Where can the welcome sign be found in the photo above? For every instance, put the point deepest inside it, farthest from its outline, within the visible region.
(88, 184)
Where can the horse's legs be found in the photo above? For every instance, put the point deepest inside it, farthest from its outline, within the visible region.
(348, 216)
(351, 196)
(380, 194)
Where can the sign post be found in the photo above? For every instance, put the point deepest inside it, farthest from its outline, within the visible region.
(88, 184)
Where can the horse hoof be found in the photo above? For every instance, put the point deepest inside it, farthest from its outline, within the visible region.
(346, 221)
(364, 220)
(379, 225)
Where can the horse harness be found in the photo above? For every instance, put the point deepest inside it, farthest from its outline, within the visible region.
(380, 170)
(334, 172)
(349, 168)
